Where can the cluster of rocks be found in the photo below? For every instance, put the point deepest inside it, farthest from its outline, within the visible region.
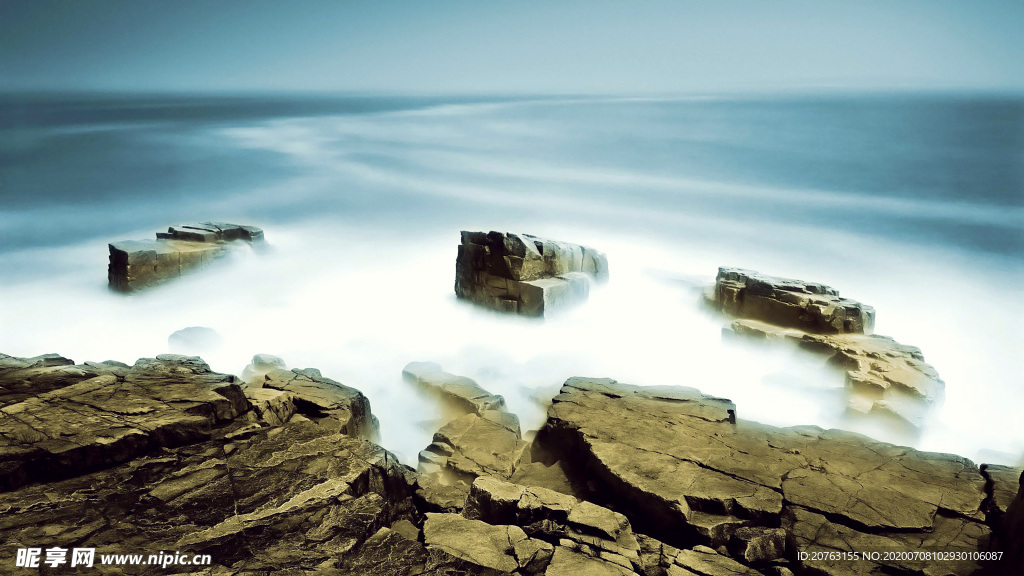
(182, 250)
(884, 380)
(279, 473)
(523, 274)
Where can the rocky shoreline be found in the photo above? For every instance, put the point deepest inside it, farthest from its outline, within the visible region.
(281, 473)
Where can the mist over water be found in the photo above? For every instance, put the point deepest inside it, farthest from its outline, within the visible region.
(913, 204)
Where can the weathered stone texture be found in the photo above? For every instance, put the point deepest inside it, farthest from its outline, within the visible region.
(811, 307)
(137, 264)
(523, 274)
(884, 380)
(1012, 533)
(327, 402)
(686, 472)
(112, 416)
(294, 497)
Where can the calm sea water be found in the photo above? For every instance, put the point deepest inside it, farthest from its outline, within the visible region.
(913, 203)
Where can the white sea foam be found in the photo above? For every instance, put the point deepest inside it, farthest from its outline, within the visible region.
(363, 282)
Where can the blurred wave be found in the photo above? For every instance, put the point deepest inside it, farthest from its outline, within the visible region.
(910, 203)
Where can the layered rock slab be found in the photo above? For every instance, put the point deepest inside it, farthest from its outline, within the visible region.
(1012, 532)
(885, 381)
(23, 378)
(137, 264)
(808, 306)
(686, 472)
(477, 437)
(111, 416)
(298, 497)
(523, 274)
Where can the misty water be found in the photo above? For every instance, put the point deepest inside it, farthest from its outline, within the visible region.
(911, 203)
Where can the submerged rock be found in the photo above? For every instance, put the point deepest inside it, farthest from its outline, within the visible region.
(194, 340)
(523, 274)
(458, 395)
(885, 381)
(259, 367)
(687, 472)
(137, 264)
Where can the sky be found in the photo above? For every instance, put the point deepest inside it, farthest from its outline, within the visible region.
(561, 47)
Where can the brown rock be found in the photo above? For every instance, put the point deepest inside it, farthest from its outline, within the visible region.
(525, 275)
(552, 516)
(458, 395)
(112, 417)
(290, 497)
(673, 459)
(1012, 542)
(182, 250)
(808, 306)
(326, 402)
(884, 380)
(490, 549)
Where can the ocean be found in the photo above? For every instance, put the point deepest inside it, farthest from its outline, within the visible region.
(910, 202)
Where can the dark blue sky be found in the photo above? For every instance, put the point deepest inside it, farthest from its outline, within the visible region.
(504, 46)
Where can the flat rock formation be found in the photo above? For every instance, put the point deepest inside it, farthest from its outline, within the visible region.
(137, 264)
(686, 472)
(523, 274)
(885, 381)
(109, 413)
(811, 307)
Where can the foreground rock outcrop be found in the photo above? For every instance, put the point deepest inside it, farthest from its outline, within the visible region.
(137, 264)
(95, 415)
(685, 471)
(278, 475)
(885, 381)
(476, 437)
(523, 274)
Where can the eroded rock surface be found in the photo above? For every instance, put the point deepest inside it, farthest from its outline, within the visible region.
(523, 274)
(297, 497)
(280, 478)
(477, 437)
(885, 381)
(98, 414)
(686, 472)
(325, 401)
(137, 264)
(808, 306)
